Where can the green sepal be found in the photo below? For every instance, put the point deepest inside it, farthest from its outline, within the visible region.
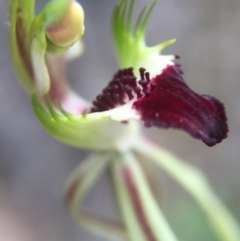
(91, 131)
(130, 41)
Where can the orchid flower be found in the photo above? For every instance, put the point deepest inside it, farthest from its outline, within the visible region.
(149, 87)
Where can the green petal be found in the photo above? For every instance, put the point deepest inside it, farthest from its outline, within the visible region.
(21, 14)
(130, 41)
(92, 131)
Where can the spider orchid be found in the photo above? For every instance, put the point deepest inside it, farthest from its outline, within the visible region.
(148, 87)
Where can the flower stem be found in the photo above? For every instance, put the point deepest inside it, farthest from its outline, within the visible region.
(223, 223)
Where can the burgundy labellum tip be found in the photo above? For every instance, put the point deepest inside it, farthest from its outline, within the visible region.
(173, 104)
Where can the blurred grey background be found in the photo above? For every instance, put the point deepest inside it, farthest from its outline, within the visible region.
(34, 167)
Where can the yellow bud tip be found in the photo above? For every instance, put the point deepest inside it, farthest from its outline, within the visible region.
(70, 28)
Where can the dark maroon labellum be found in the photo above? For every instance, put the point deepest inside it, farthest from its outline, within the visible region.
(166, 101)
(171, 103)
